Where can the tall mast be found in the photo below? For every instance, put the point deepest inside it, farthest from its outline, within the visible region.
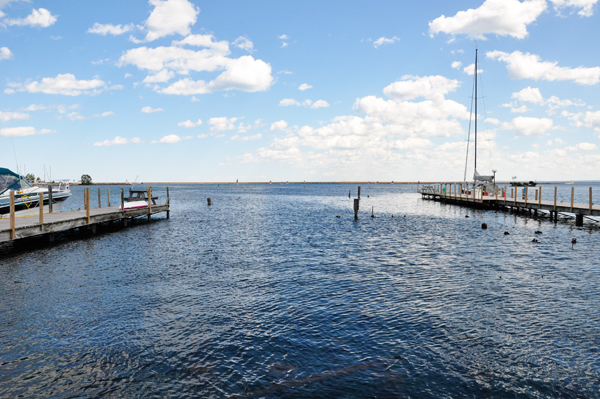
(475, 109)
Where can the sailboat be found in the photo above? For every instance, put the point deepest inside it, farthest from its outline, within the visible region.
(486, 183)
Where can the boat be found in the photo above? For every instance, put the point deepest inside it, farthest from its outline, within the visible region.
(27, 197)
(481, 183)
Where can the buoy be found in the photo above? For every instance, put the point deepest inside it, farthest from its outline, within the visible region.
(392, 215)
(573, 242)
(466, 216)
(372, 211)
(484, 226)
(535, 240)
(506, 233)
(337, 216)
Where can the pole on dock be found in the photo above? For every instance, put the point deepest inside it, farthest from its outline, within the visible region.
(209, 202)
(555, 190)
(50, 210)
(122, 200)
(87, 205)
(358, 192)
(99, 198)
(12, 215)
(349, 191)
(536, 195)
(356, 206)
(526, 195)
(149, 202)
(515, 198)
(41, 201)
(590, 201)
(108, 196)
(572, 195)
(540, 197)
(168, 204)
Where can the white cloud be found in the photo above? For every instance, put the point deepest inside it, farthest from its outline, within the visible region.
(106, 29)
(5, 53)
(286, 102)
(40, 18)
(304, 86)
(7, 116)
(285, 72)
(493, 121)
(149, 110)
(221, 124)
(189, 123)
(556, 141)
(160, 77)
(515, 109)
(283, 37)
(527, 126)
(529, 94)
(456, 64)
(534, 96)
(170, 139)
(582, 147)
(279, 125)
(22, 131)
(499, 17)
(411, 143)
(75, 116)
(586, 6)
(169, 17)
(530, 66)
(244, 43)
(116, 141)
(470, 70)
(384, 40)
(592, 120)
(64, 84)
(237, 137)
(320, 104)
(411, 87)
(103, 115)
(208, 41)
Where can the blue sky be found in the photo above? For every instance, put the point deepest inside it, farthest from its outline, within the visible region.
(180, 90)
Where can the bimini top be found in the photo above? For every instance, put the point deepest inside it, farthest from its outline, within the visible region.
(9, 180)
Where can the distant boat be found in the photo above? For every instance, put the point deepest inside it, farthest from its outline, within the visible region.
(27, 196)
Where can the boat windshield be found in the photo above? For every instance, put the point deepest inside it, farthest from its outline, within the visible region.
(11, 181)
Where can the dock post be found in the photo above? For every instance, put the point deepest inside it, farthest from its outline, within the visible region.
(358, 192)
(356, 206)
(168, 203)
(579, 220)
(572, 195)
(50, 207)
(99, 198)
(122, 200)
(536, 195)
(149, 202)
(108, 196)
(591, 201)
(526, 195)
(349, 191)
(505, 194)
(41, 201)
(87, 204)
(12, 215)
(540, 197)
(515, 197)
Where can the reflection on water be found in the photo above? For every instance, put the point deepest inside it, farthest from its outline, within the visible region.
(267, 294)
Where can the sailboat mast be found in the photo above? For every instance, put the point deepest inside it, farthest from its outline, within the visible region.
(475, 109)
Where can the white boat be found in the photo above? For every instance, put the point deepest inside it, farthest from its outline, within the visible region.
(27, 197)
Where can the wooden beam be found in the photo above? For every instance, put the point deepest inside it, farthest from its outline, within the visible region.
(41, 202)
(540, 197)
(99, 198)
(591, 201)
(12, 215)
(108, 196)
(555, 190)
(50, 199)
(87, 205)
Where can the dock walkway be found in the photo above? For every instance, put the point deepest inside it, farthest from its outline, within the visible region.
(16, 228)
(459, 194)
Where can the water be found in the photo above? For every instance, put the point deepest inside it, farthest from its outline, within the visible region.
(267, 294)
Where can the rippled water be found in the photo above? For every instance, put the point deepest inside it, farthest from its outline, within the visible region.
(267, 294)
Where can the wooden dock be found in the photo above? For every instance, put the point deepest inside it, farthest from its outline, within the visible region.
(463, 194)
(14, 228)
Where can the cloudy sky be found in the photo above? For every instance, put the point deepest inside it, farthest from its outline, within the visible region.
(180, 90)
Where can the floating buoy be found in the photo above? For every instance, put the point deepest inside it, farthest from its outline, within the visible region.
(392, 215)
(484, 226)
(506, 233)
(337, 216)
(573, 242)
(535, 240)
(466, 216)
(372, 212)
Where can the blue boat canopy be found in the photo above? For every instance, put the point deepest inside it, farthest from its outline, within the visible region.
(9, 180)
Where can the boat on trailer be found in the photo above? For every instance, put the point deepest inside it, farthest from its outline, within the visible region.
(27, 197)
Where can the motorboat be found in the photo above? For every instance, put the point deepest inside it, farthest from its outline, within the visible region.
(27, 197)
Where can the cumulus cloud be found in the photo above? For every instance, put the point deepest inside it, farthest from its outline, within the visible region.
(168, 18)
(149, 110)
(470, 70)
(384, 40)
(534, 96)
(160, 77)
(304, 86)
(411, 87)
(456, 64)
(22, 131)
(529, 94)
(320, 104)
(40, 18)
(64, 84)
(189, 123)
(527, 126)
(170, 139)
(244, 43)
(279, 125)
(5, 53)
(499, 17)
(108, 29)
(530, 66)
(222, 124)
(118, 141)
(582, 147)
(7, 116)
(287, 102)
(586, 7)
(237, 137)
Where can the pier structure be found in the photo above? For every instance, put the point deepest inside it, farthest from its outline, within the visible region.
(502, 199)
(14, 228)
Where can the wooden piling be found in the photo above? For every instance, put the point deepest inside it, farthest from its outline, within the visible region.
(536, 195)
(526, 195)
(87, 205)
(591, 201)
(168, 203)
(572, 195)
(149, 202)
(209, 202)
(356, 206)
(555, 190)
(12, 215)
(540, 197)
(41, 201)
(358, 192)
(108, 196)
(122, 200)
(50, 205)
